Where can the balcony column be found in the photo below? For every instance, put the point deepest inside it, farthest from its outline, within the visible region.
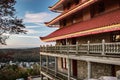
(40, 64)
(56, 66)
(47, 62)
(89, 69)
(69, 68)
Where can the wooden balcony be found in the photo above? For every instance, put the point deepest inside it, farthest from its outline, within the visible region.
(55, 75)
(89, 48)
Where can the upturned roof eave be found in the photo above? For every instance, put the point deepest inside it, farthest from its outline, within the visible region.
(55, 6)
(65, 14)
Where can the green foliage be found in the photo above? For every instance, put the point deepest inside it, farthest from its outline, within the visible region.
(13, 72)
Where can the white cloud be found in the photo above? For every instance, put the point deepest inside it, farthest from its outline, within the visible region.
(28, 40)
(38, 17)
(31, 31)
(24, 36)
(16, 35)
(24, 41)
(30, 27)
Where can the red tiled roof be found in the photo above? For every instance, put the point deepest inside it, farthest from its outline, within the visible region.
(71, 11)
(100, 21)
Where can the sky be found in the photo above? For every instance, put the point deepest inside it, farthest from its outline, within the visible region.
(34, 13)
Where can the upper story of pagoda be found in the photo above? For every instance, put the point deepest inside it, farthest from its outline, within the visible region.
(65, 5)
(76, 11)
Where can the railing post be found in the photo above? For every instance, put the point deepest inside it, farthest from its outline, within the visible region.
(89, 69)
(43, 48)
(51, 49)
(77, 47)
(40, 48)
(60, 49)
(55, 49)
(103, 47)
(67, 48)
(88, 51)
(46, 48)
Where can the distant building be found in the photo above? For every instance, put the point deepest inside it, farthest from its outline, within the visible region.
(87, 41)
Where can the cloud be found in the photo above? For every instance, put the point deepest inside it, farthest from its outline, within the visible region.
(24, 36)
(31, 31)
(38, 17)
(30, 27)
(24, 41)
(30, 40)
(16, 35)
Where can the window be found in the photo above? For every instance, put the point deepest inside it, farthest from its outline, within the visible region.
(76, 2)
(97, 8)
(64, 63)
(68, 5)
(92, 10)
(115, 37)
(101, 7)
(64, 22)
(63, 42)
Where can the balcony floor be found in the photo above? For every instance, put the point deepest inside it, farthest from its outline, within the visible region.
(107, 59)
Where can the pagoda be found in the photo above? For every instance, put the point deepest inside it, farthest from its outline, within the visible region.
(87, 41)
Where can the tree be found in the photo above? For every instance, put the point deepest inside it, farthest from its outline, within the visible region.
(9, 23)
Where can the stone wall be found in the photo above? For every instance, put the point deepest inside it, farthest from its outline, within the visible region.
(82, 69)
(94, 38)
(99, 70)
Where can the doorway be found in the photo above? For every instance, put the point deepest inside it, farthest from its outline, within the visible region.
(74, 67)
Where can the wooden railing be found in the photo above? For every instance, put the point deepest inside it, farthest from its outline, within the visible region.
(89, 48)
(57, 76)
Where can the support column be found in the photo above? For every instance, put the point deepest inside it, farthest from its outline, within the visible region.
(89, 69)
(56, 66)
(40, 63)
(69, 68)
(47, 62)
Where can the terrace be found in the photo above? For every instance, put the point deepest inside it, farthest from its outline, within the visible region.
(103, 49)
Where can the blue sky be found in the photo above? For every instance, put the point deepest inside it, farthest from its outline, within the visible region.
(34, 13)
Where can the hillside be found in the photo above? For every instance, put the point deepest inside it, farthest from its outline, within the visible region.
(27, 55)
